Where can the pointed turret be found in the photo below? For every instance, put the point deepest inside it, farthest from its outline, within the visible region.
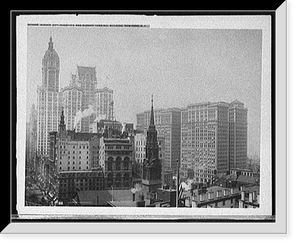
(62, 126)
(62, 118)
(152, 115)
(151, 179)
(50, 44)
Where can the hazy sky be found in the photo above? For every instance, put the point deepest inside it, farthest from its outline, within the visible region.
(177, 66)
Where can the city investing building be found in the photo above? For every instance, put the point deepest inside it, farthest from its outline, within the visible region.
(72, 103)
(87, 80)
(104, 104)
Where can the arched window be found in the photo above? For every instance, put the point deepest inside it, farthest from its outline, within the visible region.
(118, 180)
(126, 163)
(109, 180)
(118, 163)
(126, 180)
(110, 163)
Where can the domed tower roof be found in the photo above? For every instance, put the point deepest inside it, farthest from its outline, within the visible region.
(50, 54)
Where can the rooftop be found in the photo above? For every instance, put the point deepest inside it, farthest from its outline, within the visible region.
(122, 198)
(246, 179)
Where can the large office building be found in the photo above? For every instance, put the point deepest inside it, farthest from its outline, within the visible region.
(48, 100)
(76, 151)
(87, 81)
(237, 135)
(31, 136)
(72, 102)
(210, 137)
(103, 104)
(167, 122)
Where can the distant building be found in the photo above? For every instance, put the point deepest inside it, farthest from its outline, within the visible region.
(31, 134)
(76, 150)
(167, 123)
(104, 104)
(72, 102)
(48, 100)
(104, 125)
(210, 133)
(87, 81)
(237, 135)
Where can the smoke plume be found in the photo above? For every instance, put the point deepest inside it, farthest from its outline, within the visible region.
(123, 127)
(101, 117)
(86, 113)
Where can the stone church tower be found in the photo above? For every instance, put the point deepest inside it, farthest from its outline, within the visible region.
(151, 179)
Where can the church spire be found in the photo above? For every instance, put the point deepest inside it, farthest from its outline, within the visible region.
(62, 133)
(152, 114)
(62, 118)
(50, 44)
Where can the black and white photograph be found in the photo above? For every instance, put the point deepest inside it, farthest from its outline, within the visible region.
(121, 117)
(145, 118)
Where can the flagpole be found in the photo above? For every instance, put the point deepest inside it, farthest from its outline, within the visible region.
(177, 185)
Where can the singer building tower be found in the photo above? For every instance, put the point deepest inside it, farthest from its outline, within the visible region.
(48, 99)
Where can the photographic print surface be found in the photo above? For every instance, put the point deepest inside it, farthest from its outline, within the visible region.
(146, 117)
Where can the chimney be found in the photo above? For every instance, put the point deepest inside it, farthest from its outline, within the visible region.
(241, 204)
(225, 192)
(211, 195)
(133, 197)
(219, 193)
(254, 195)
(231, 191)
(243, 196)
(201, 197)
(250, 197)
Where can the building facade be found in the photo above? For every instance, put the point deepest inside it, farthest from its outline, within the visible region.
(238, 130)
(49, 100)
(87, 81)
(72, 103)
(167, 123)
(116, 160)
(104, 104)
(208, 138)
(71, 182)
(76, 151)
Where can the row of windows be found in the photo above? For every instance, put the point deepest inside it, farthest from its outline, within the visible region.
(73, 168)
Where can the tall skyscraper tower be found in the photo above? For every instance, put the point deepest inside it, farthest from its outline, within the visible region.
(72, 103)
(104, 104)
(151, 179)
(48, 101)
(237, 135)
(88, 83)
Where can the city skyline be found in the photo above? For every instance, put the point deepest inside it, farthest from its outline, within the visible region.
(178, 66)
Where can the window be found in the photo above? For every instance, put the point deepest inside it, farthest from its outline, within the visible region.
(126, 163)
(118, 163)
(109, 163)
